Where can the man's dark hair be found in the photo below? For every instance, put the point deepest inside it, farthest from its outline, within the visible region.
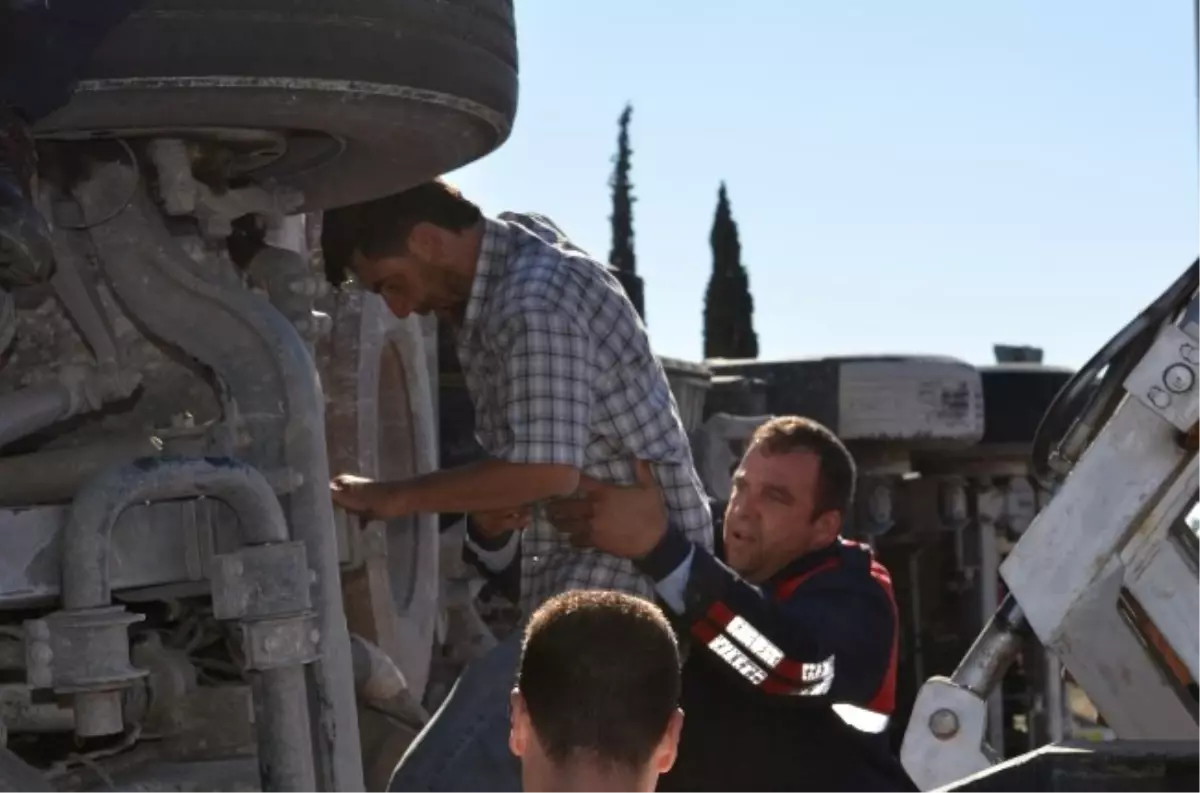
(836, 468)
(381, 227)
(600, 677)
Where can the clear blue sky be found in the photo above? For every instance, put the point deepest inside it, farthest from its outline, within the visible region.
(916, 176)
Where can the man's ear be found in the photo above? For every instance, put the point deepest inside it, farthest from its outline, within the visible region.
(829, 525)
(518, 734)
(668, 747)
(425, 242)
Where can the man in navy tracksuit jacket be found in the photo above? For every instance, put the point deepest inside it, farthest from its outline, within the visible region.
(791, 673)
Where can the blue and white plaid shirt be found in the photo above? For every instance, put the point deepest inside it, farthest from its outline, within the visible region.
(560, 371)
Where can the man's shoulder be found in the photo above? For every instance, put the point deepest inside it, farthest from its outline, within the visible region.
(544, 229)
(548, 273)
(852, 571)
(543, 254)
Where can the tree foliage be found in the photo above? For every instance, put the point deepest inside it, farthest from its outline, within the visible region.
(621, 257)
(728, 306)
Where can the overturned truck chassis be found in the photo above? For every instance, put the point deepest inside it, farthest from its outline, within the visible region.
(172, 613)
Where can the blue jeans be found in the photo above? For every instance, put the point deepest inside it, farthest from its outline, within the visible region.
(465, 745)
(44, 47)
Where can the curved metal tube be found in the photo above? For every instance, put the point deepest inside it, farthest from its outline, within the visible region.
(78, 295)
(283, 729)
(46, 477)
(78, 390)
(31, 410)
(87, 537)
(56, 475)
(271, 387)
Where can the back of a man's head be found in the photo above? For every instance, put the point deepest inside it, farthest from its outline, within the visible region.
(596, 701)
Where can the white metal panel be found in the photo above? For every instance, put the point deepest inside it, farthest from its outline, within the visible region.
(1161, 574)
(1070, 543)
(1107, 657)
(1164, 584)
(909, 399)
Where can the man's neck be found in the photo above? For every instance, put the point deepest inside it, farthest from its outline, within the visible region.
(459, 273)
(465, 266)
(587, 777)
(466, 262)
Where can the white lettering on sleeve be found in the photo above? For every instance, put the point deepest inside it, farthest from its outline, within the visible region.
(738, 660)
(818, 678)
(749, 637)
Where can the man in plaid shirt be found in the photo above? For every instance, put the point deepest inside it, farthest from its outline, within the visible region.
(564, 385)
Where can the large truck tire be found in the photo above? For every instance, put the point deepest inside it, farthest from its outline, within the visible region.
(373, 96)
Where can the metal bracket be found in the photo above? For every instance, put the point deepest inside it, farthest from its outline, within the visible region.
(266, 588)
(1166, 379)
(261, 581)
(280, 642)
(85, 652)
(944, 741)
(183, 194)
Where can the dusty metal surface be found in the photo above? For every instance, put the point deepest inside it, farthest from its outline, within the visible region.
(236, 775)
(926, 402)
(270, 386)
(223, 649)
(154, 340)
(718, 446)
(142, 555)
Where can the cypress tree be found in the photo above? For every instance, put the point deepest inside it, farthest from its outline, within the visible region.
(728, 306)
(621, 257)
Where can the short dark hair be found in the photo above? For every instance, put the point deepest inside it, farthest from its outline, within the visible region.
(836, 469)
(600, 677)
(381, 227)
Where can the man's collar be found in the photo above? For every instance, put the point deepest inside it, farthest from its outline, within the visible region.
(493, 255)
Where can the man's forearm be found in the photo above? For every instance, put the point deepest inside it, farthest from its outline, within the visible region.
(479, 487)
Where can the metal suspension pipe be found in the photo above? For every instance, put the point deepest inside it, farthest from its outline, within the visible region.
(78, 390)
(993, 652)
(284, 739)
(272, 392)
(56, 475)
(31, 410)
(87, 537)
(284, 736)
